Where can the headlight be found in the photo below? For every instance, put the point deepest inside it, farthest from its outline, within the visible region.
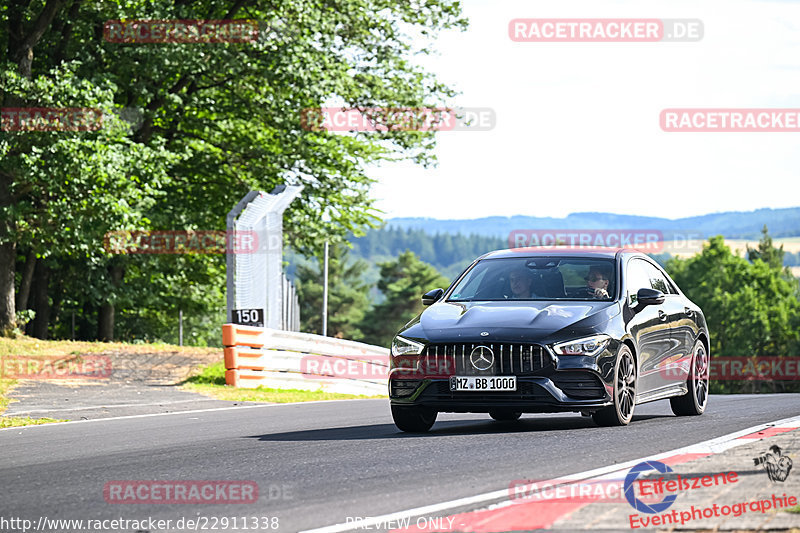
(401, 346)
(584, 346)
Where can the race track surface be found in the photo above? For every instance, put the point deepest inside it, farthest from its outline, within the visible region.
(318, 463)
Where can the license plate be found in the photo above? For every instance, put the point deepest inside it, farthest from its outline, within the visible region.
(474, 383)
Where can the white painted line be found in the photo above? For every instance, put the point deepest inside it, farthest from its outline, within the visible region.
(62, 424)
(107, 406)
(709, 446)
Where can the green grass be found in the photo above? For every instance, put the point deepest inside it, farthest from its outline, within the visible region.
(6, 385)
(211, 382)
(12, 422)
(795, 509)
(210, 375)
(29, 346)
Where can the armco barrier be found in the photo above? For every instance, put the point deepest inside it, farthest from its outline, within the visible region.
(274, 359)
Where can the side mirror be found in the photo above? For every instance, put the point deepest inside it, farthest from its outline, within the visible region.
(431, 297)
(645, 297)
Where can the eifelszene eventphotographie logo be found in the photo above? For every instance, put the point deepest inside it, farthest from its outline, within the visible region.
(630, 495)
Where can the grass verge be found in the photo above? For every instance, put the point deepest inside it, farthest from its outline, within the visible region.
(5, 387)
(29, 346)
(211, 382)
(12, 422)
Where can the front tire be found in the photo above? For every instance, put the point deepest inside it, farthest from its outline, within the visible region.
(694, 402)
(620, 412)
(505, 416)
(413, 419)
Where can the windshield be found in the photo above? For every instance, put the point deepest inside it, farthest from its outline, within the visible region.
(538, 278)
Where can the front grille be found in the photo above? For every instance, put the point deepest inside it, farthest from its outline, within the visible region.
(582, 385)
(510, 359)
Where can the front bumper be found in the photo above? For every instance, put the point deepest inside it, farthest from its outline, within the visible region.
(533, 395)
(557, 384)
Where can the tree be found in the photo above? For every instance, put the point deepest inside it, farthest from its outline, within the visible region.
(448, 253)
(752, 309)
(211, 122)
(403, 281)
(766, 251)
(67, 189)
(348, 295)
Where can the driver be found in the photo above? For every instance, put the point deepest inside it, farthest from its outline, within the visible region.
(521, 280)
(597, 282)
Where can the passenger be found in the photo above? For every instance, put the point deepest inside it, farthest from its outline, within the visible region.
(597, 282)
(521, 280)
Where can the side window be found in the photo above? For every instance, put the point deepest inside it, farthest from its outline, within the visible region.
(657, 280)
(670, 285)
(672, 288)
(637, 278)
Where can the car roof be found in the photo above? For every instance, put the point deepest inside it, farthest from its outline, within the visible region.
(595, 252)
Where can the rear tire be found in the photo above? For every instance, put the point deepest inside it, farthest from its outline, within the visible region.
(505, 416)
(694, 402)
(413, 419)
(620, 412)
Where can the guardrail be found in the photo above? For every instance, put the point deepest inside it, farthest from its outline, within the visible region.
(272, 358)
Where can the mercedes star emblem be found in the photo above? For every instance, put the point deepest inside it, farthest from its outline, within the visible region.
(481, 357)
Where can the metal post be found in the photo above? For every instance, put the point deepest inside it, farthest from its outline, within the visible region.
(180, 327)
(325, 294)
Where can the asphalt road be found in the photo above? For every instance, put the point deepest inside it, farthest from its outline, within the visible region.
(317, 464)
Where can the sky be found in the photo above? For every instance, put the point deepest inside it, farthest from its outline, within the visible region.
(578, 123)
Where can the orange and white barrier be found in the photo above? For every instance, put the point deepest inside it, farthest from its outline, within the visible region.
(263, 357)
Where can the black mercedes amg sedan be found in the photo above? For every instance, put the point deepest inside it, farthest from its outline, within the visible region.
(536, 330)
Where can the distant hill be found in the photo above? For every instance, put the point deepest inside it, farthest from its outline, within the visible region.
(450, 245)
(732, 224)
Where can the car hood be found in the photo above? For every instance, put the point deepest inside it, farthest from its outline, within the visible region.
(511, 321)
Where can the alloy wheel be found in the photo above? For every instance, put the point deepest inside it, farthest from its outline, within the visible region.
(620, 412)
(700, 376)
(626, 385)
